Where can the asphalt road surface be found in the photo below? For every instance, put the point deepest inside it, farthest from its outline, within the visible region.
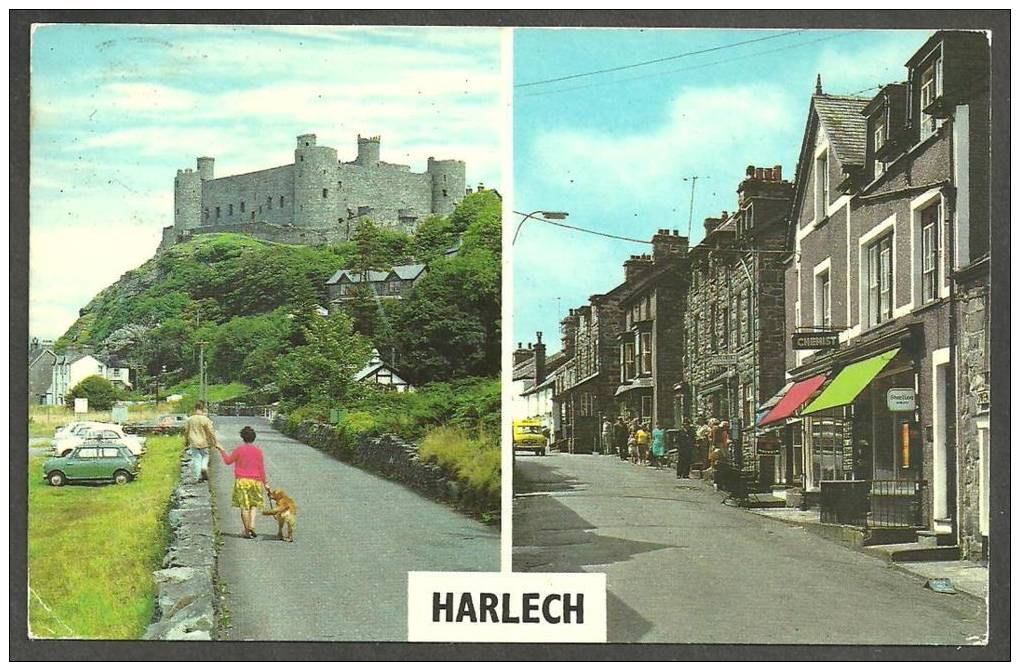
(357, 536)
(682, 567)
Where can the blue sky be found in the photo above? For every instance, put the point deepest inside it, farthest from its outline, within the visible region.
(613, 149)
(116, 110)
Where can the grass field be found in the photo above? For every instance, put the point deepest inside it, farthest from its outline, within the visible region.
(92, 550)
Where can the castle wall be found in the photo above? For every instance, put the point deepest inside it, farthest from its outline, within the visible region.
(254, 190)
(385, 187)
(316, 191)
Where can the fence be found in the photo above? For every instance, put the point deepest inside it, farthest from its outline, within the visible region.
(873, 503)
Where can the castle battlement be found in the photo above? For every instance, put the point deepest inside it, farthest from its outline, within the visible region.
(316, 195)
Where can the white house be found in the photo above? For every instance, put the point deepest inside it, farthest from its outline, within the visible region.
(377, 371)
(71, 368)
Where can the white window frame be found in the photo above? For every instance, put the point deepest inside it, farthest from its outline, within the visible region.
(928, 92)
(919, 205)
(822, 184)
(888, 226)
(822, 270)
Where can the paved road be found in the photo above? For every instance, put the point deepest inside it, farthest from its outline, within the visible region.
(682, 567)
(357, 536)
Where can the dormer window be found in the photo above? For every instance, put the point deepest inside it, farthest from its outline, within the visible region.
(878, 141)
(931, 90)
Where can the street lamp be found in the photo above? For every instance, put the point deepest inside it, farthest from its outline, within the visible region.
(547, 215)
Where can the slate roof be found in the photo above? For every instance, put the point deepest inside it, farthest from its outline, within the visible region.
(525, 369)
(403, 272)
(844, 124)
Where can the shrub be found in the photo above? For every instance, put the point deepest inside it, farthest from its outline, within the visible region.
(474, 460)
(101, 393)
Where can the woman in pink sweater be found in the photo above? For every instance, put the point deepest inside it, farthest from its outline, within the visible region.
(249, 479)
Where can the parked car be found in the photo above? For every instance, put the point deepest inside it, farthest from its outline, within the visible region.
(530, 435)
(165, 424)
(92, 462)
(96, 432)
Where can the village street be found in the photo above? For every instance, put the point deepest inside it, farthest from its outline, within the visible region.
(682, 567)
(357, 536)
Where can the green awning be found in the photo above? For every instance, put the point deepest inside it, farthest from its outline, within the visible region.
(849, 383)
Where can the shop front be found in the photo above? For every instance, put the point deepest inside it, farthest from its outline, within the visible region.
(856, 427)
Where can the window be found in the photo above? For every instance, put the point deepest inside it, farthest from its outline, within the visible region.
(713, 339)
(646, 353)
(879, 141)
(725, 319)
(746, 314)
(929, 252)
(111, 452)
(325, 193)
(242, 206)
(230, 209)
(269, 202)
(880, 278)
(628, 361)
(217, 212)
(931, 89)
(823, 300)
(87, 453)
(821, 185)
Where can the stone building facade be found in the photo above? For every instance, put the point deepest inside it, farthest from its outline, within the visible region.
(735, 313)
(890, 225)
(316, 199)
(585, 384)
(652, 299)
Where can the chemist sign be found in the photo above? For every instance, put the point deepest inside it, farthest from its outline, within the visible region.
(900, 399)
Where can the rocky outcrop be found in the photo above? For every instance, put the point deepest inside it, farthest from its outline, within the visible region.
(185, 588)
(395, 458)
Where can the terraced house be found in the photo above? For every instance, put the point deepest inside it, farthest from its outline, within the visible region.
(889, 245)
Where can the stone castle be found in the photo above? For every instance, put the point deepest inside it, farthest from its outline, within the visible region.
(317, 199)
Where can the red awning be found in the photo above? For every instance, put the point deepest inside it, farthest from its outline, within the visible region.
(795, 397)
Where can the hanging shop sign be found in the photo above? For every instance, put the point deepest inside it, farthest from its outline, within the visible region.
(722, 360)
(815, 340)
(900, 399)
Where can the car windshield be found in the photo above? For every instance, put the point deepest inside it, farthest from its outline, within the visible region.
(529, 429)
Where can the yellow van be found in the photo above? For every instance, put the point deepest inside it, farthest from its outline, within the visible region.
(529, 435)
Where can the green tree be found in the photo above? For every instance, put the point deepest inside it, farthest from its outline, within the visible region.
(320, 371)
(99, 391)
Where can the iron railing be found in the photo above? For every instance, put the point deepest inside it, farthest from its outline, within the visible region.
(873, 503)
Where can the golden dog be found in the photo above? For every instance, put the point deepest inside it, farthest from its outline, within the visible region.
(285, 512)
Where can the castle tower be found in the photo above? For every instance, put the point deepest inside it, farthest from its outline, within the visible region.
(205, 167)
(368, 151)
(187, 200)
(315, 184)
(449, 182)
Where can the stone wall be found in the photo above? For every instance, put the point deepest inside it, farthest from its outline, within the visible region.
(185, 593)
(394, 458)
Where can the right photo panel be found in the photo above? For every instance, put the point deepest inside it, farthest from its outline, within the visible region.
(751, 330)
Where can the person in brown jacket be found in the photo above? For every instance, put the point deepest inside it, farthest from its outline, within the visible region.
(201, 436)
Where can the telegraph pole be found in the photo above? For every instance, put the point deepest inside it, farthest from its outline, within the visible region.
(201, 372)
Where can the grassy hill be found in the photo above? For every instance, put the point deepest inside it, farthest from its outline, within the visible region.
(248, 298)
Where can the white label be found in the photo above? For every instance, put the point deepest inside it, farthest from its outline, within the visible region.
(900, 399)
(81, 405)
(506, 607)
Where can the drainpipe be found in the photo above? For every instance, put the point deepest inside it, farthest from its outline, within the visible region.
(753, 287)
(952, 429)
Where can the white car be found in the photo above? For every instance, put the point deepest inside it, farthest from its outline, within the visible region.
(89, 431)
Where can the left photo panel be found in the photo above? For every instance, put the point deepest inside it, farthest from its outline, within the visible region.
(264, 312)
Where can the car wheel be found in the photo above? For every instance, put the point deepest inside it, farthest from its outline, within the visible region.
(121, 477)
(56, 479)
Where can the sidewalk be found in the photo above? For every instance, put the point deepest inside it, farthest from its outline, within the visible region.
(968, 577)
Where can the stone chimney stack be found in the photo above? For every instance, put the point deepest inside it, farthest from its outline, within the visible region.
(666, 243)
(539, 350)
(521, 354)
(765, 184)
(636, 265)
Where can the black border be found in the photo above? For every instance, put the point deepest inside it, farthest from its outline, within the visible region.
(998, 21)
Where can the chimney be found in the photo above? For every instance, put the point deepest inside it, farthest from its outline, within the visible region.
(568, 325)
(636, 265)
(521, 354)
(766, 183)
(666, 243)
(539, 359)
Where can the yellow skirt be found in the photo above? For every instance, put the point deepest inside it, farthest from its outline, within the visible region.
(247, 493)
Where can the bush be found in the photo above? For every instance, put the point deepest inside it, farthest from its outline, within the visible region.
(475, 461)
(101, 393)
